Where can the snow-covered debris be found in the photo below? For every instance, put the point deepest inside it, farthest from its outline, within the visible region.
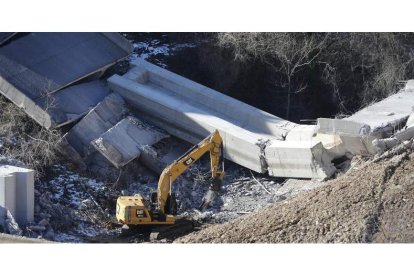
(71, 208)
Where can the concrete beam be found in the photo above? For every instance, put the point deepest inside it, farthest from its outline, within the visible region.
(125, 141)
(235, 111)
(387, 116)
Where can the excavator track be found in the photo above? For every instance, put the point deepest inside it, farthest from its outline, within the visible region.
(153, 234)
(180, 228)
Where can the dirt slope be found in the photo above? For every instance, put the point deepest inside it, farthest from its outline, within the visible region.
(371, 203)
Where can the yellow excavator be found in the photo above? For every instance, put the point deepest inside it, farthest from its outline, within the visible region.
(136, 210)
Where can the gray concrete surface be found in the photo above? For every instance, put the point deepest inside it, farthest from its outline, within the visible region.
(101, 118)
(37, 65)
(386, 116)
(17, 192)
(69, 104)
(126, 140)
(345, 137)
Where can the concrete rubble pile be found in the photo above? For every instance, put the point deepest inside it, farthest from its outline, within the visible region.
(373, 129)
(407, 133)
(107, 136)
(252, 138)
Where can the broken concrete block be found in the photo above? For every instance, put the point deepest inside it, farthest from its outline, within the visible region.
(354, 137)
(387, 143)
(338, 126)
(101, 118)
(35, 66)
(386, 116)
(302, 133)
(286, 159)
(124, 142)
(17, 192)
(24, 196)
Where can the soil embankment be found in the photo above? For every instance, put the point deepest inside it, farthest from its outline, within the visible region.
(373, 202)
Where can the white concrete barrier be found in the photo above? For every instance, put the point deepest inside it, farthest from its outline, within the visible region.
(17, 192)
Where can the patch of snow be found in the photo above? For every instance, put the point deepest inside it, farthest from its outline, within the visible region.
(156, 50)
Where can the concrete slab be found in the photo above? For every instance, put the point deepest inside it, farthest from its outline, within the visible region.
(72, 103)
(17, 192)
(124, 142)
(237, 112)
(39, 64)
(386, 116)
(409, 86)
(101, 118)
(66, 105)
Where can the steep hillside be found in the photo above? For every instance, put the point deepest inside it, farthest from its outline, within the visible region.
(374, 202)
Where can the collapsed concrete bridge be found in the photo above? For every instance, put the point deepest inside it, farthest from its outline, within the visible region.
(252, 138)
(116, 121)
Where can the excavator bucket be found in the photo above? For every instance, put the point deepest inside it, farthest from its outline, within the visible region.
(212, 192)
(208, 199)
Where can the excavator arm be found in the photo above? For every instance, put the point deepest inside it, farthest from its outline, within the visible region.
(212, 144)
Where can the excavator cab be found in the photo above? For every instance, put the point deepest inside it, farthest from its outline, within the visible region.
(135, 210)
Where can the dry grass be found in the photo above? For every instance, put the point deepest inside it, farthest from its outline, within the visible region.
(24, 140)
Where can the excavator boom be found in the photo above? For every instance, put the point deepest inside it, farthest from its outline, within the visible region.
(212, 144)
(135, 210)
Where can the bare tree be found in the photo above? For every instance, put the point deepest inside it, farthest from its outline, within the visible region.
(286, 53)
(358, 68)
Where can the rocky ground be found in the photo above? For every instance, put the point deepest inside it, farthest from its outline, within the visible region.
(372, 202)
(74, 208)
